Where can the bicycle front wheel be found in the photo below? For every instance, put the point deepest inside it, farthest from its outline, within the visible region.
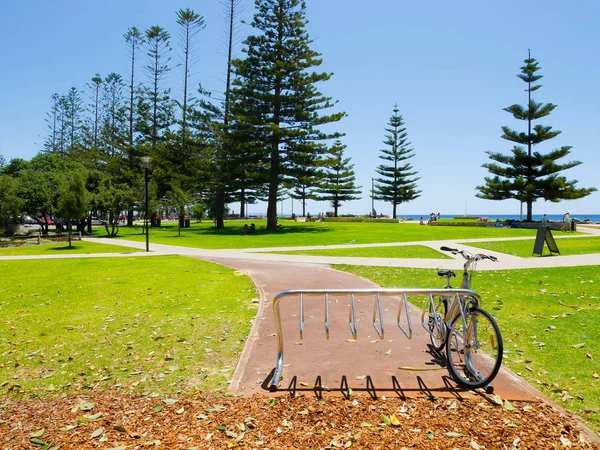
(474, 349)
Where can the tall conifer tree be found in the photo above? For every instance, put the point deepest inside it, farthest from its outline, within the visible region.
(528, 175)
(396, 184)
(277, 83)
(158, 49)
(339, 181)
(134, 39)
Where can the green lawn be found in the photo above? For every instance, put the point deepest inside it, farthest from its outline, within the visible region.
(62, 248)
(567, 246)
(204, 235)
(550, 321)
(162, 324)
(403, 251)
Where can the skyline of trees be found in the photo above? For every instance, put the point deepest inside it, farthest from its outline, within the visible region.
(208, 151)
(260, 137)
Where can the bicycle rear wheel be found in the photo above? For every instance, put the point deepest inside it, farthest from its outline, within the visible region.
(436, 325)
(474, 349)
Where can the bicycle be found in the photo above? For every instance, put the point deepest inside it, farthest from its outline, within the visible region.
(472, 338)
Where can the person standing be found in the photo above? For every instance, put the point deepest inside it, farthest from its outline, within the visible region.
(566, 222)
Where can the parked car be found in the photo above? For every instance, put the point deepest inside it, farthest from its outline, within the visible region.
(45, 220)
(28, 220)
(98, 221)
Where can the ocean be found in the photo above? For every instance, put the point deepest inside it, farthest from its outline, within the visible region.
(595, 218)
(492, 217)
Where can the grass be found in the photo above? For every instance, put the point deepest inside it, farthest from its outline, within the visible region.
(401, 251)
(524, 248)
(293, 234)
(550, 322)
(160, 325)
(61, 248)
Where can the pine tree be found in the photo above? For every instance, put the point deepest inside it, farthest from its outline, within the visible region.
(339, 185)
(305, 174)
(276, 82)
(396, 185)
(232, 162)
(191, 24)
(53, 123)
(160, 110)
(94, 87)
(134, 39)
(182, 168)
(528, 175)
(74, 119)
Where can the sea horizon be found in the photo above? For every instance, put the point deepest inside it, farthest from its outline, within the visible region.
(535, 217)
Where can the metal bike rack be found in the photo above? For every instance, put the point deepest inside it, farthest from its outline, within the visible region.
(377, 312)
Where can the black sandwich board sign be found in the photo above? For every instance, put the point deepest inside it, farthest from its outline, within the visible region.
(544, 234)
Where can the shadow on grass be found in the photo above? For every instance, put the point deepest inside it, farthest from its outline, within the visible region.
(65, 248)
(171, 232)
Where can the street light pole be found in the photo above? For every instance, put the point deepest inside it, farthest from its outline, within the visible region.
(146, 163)
(372, 195)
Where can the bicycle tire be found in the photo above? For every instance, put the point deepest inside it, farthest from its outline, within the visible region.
(475, 357)
(438, 339)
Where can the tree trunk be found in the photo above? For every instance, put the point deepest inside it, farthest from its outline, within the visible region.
(69, 225)
(181, 218)
(273, 186)
(130, 217)
(242, 203)
(220, 209)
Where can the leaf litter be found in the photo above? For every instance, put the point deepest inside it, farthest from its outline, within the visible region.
(132, 421)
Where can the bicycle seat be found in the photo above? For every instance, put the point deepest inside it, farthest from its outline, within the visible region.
(446, 273)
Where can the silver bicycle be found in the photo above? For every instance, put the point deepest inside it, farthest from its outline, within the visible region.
(470, 334)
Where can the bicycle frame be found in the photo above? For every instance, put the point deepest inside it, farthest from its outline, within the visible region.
(456, 305)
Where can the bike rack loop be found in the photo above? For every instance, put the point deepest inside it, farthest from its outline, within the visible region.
(377, 312)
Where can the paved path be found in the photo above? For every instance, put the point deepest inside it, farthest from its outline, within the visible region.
(262, 254)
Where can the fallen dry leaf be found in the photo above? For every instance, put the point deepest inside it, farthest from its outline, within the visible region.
(282, 422)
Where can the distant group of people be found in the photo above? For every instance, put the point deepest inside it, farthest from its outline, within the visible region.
(433, 217)
(248, 230)
(320, 217)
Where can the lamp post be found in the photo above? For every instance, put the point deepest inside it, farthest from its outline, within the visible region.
(146, 163)
(372, 195)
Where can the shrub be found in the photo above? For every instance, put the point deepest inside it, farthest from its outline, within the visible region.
(359, 219)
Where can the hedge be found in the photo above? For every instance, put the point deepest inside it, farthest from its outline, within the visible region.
(444, 223)
(359, 219)
(466, 217)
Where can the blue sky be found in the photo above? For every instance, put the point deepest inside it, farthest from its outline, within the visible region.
(450, 66)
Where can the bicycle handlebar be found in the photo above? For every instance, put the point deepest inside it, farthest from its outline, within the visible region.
(468, 255)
